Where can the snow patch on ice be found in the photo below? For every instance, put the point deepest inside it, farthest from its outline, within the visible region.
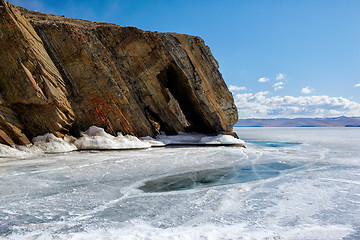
(153, 142)
(49, 143)
(6, 151)
(199, 139)
(221, 140)
(97, 138)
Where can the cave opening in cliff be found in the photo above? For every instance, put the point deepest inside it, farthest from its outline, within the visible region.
(158, 125)
(178, 84)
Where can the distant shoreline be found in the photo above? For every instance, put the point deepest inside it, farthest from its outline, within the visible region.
(295, 127)
(300, 122)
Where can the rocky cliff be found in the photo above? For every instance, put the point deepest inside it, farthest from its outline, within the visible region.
(63, 75)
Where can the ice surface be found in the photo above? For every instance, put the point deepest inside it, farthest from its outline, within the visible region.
(274, 144)
(217, 177)
(96, 195)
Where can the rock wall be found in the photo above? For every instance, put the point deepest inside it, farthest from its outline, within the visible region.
(33, 95)
(63, 75)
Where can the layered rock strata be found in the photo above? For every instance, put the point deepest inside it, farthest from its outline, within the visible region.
(64, 75)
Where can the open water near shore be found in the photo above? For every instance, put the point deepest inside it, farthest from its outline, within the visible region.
(289, 183)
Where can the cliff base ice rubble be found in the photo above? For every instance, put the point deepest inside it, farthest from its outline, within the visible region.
(96, 138)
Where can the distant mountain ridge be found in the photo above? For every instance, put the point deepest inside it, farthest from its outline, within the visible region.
(300, 122)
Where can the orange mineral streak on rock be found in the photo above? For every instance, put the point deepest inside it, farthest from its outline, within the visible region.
(64, 75)
(31, 79)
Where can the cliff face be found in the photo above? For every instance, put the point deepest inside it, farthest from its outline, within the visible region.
(33, 96)
(63, 75)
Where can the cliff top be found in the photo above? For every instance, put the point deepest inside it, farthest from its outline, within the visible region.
(44, 18)
(36, 17)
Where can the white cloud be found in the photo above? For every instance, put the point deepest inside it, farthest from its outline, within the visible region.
(357, 85)
(307, 90)
(260, 105)
(263, 79)
(233, 88)
(280, 76)
(278, 86)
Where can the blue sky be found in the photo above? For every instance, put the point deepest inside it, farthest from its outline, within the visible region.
(280, 58)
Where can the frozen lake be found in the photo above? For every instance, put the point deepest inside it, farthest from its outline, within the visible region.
(289, 183)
